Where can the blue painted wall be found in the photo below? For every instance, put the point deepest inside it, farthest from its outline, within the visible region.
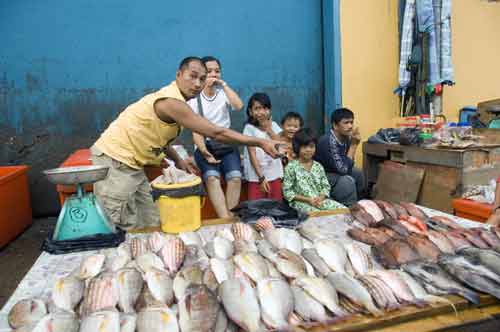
(67, 68)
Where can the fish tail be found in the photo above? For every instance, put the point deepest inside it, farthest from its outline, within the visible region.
(439, 299)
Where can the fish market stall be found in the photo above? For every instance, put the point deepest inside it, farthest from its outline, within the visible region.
(326, 275)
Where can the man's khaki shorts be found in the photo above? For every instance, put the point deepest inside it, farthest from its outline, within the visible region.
(125, 194)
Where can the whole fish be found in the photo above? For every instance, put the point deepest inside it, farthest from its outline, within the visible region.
(276, 302)
(472, 274)
(266, 250)
(380, 292)
(317, 262)
(400, 210)
(441, 241)
(447, 221)
(414, 210)
(129, 288)
(310, 230)
(108, 321)
(290, 264)
(243, 231)
(198, 309)
(128, 322)
(219, 248)
(138, 247)
(223, 269)
(362, 216)
(309, 309)
(458, 241)
(398, 286)
(26, 311)
(359, 259)
(91, 266)
(369, 235)
(490, 238)
(252, 264)
(161, 286)
(117, 259)
(101, 294)
(372, 208)
(157, 319)
(149, 261)
(146, 299)
(322, 291)
(393, 253)
(241, 246)
(186, 276)
(333, 253)
(58, 322)
(474, 238)
(156, 241)
(353, 290)
(284, 238)
(172, 254)
(67, 292)
(241, 304)
(488, 258)
(437, 281)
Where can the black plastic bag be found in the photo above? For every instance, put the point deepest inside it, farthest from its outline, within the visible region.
(197, 190)
(84, 243)
(284, 215)
(410, 136)
(385, 135)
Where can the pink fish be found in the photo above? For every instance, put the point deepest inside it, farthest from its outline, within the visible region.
(173, 253)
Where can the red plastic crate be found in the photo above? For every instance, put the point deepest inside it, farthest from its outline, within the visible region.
(15, 204)
(466, 208)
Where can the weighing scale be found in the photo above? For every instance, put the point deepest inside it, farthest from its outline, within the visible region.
(81, 214)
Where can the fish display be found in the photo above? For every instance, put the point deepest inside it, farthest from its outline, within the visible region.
(265, 278)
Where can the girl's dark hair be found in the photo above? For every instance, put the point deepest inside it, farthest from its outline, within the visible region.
(302, 138)
(263, 99)
(209, 58)
(292, 115)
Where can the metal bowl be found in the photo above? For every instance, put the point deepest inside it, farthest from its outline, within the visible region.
(76, 174)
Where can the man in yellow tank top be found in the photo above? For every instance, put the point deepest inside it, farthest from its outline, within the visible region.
(140, 134)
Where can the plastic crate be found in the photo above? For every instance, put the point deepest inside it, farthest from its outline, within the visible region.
(468, 209)
(15, 204)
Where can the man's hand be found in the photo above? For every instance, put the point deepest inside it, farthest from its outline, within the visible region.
(210, 157)
(356, 136)
(269, 147)
(187, 165)
(264, 186)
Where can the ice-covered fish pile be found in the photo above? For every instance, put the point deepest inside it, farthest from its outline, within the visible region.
(260, 278)
(436, 251)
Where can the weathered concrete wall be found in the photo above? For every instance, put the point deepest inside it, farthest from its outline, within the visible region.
(67, 68)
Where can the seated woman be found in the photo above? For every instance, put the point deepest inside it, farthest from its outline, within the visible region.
(494, 219)
(305, 185)
(213, 158)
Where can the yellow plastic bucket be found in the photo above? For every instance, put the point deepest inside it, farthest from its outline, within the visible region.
(179, 214)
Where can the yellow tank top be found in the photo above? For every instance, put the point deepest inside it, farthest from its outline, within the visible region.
(137, 136)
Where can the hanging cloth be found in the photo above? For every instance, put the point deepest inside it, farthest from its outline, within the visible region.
(406, 46)
(426, 24)
(447, 73)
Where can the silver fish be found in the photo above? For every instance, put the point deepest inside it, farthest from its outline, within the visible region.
(149, 261)
(129, 287)
(381, 293)
(156, 241)
(67, 292)
(317, 262)
(276, 302)
(198, 309)
(398, 286)
(161, 286)
(266, 249)
(146, 300)
(290, 264)
(26, 311)
(437, 281)
(186, 276)
(117, 259)
(101, 294)
(241, 304)
(488, 258)
(322, 291)
(241, 246)
(191, 239)
(472, 274)
(307, 307)
(58, 322)
(91, 266)
(333, 253)
(108, 321)
(252, 264)
(196, 256)
(359, 259)
(353, 290)
(219, 248)
(157, 319)
(273, 272)
(284, 238)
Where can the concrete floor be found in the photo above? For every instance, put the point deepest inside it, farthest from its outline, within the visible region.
(18, 256)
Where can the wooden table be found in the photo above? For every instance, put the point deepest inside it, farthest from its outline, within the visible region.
(447, 171)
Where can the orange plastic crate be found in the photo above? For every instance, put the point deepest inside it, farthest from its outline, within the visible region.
(15, 205)
(466, 208)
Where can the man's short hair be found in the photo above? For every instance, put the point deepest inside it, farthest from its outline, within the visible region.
(340, 114)
(187, 60)
(303, 137)
(292, 115)
(209, 58)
